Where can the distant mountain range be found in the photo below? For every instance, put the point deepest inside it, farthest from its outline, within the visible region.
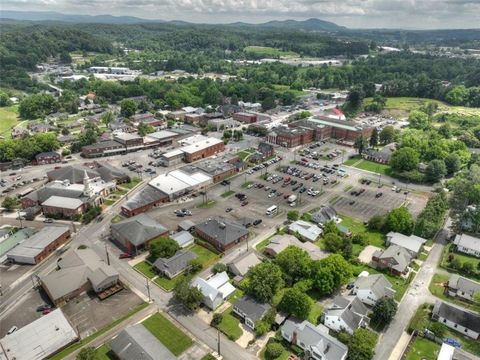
(307, 25)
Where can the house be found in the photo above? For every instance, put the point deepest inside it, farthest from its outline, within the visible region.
(40, 245)
(49, 157)
(463, 321)
(136, 342)
(215, 290)
(183, 238)
(462, 287)
(467, 244)
(240, 266)
(346, 314)
(278, 243)
(369, 289)
(395, 258)
(221, 232)
(306, 230)
(314, 340)
(381, 156)
(146, 199)
(186, 225)
(412, 243)
(135, 233)
(78, 271)
(266, 149)
(325, 214)
(40, 339)
(250, 310)
(174, 265)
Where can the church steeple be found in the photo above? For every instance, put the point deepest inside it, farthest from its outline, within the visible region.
(87, 190)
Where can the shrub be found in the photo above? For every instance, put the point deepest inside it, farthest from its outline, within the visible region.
(219, 267)
(216, 320)
(273, 351)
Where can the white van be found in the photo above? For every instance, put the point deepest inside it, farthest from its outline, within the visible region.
(272, 210)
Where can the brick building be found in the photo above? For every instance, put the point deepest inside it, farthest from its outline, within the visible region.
(193, 119)
(290, 137)
(202, 149)
(49, 157)
(130, 141)
(103, 148)
(222, 233)
(244, 117)
(146, 199)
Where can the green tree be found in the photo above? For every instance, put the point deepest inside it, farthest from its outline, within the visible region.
(330, 227)
(436, 170)
(190, 296)
(4, 99)
(219, 267)
(107, 118)
(163, 247)
(296, 303)
(273, 351)
(418, 119)
(37, 106)
(293, 215)
(360, 144)
(87, 353)
(445, 130)
(128, 108)
(216, 320)
(355, 97)
(9, 203)
(288, 98)
(438, 329)
(399, 220)
(268, 103)
(330, 273)
(144, 129)
(453, 163)
(383, 311)
(264, 280)
(333, 242)
(362, 345)
(468, 268)
(376, 223)
(374, 138)
(294, 262)
(405, 159)
(387, 135)
(195, 265)
(457, 95)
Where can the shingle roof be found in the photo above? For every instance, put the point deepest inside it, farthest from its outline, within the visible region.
(278, 243)
(136, 342)
(182, 238)
(465, 285)
(377, 283)
(458, 316)
(467, 241)
(146, 196)
(240, 265)
(176, 264)
(223, 230)
(399, 254)
(412, 243)
(350, 310)
(325, 214)
(139, 229)
(253, 309)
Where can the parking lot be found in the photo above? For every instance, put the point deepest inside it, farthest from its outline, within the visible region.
(88, 314)
(11, 273)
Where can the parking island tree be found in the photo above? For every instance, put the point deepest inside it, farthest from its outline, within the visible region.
(264, 280)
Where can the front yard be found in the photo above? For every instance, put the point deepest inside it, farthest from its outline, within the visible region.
(457, 263)
(437, 289)
(423, 349)
(230, 325)
(168, 334)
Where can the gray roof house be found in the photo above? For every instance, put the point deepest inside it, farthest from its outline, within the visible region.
(183, 238)
(221, 232)
(278, 243)
(243, 263)
(462, 287)
(172, 266)
(215, 289)
(250, 310)
(412, 243)
(314, 340)
(369, 289)
(458, 319)
(468, 244)
(324, 215)
(137, 231)
(395, 258)
(306, 230)
(136, 342)
(346, 314)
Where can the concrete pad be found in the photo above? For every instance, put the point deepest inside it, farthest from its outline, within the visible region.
(206, 316)
(365, 256)
(246, 336)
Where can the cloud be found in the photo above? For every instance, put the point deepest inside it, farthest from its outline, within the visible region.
(354, 13)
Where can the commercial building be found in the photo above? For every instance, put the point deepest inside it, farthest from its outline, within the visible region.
(103, 148)
(463, 321)
(136, 342)
(203, 149)
(79, 270)
(172, 157)
(37, 247)
(129, 141)
(40, 339)
(162, 137)
(244, 117)
(177, 183)
(10, 240)
(148, 198)
(49, 157)
(290, 137)
(221, 232)
(134, 234)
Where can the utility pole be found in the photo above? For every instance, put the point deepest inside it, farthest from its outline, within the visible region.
(148, 290)
(20, 218)
(218, 341)
(108, 256)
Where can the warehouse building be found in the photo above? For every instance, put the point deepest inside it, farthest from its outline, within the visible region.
(177, 183)
(37, 247)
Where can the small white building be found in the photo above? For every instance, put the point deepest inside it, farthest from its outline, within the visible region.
(307, 230)
(468, 244)
(369, 289)
(215, 290)
(347, 314)
(463, 321)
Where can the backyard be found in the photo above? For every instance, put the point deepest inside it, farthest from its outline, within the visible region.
(423, 349)
(168, 334)
(462, 259)
(437, 289)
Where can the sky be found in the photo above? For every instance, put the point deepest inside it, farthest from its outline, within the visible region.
(407, 14)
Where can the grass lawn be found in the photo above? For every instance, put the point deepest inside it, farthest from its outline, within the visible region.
(8, 120)
(237, 294)
(135, 181)
(230, 325)
(348, 188)
(283, 356)
(352, 160)
(243, 154)
(146, 269)
(423, 349)
(227, 193)
(266, 51)
(315, 312)
(168, 334)
(423, 256)
(421, 321)
(463, 259)
(168, 284)
(209, 204)
(101, 353)
(262, 244)
(110, 202)
(333, 199)
(62, 354)
(436, 289)
(117, 219)
(374, 238)
(206, 257)
(373, 167)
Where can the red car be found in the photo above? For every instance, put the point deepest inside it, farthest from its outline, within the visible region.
(286, 196)
(125, 256)
(244, 203)
(46, 311)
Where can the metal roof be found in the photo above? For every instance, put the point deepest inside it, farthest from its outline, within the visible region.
(37, 243)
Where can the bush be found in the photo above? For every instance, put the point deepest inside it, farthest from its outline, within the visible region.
(216, 320)
(438, 329)
(273, 351)
(195, 266)
(376, 223)
(219, 267)
(261, 328)
(66, 152)
(292, 215)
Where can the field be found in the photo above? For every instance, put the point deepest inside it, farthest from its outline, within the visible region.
(168, 334)
(8, 119)
(264, 51)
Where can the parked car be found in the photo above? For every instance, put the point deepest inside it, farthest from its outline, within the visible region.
(48, 221)
(244, 203)
(44, 307)
(257, 222)
(46, 311)
(228, 210)
(125, 256)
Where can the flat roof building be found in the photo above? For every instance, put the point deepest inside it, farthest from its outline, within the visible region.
(177, 183)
